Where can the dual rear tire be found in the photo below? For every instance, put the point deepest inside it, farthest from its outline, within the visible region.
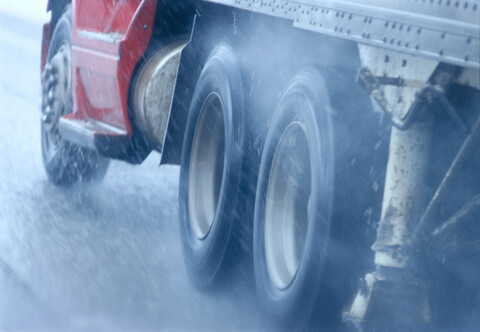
(293, 197)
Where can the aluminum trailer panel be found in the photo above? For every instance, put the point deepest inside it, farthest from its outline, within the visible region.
(445, 31)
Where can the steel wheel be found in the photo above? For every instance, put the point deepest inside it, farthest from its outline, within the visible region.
(206, 166)
(287, 205)
(56, 93)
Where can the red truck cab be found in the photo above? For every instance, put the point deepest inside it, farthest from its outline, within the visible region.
(108, 40)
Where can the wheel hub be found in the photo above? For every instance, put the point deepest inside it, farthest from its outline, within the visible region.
(56, 92)
(288, 206)
(206, 166)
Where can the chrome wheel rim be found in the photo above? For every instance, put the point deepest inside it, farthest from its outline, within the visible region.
(288, 205)
(56, 96)
(206, 166)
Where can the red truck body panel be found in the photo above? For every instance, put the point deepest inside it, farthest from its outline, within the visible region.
(109, 38)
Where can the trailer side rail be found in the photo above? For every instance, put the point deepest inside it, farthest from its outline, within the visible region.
(444, 31)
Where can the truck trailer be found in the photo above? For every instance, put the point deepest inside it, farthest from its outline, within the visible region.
(327, 148)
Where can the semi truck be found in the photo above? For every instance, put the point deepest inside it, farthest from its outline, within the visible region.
(329, 149)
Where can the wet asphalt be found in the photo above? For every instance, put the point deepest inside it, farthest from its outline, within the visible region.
(103, 257)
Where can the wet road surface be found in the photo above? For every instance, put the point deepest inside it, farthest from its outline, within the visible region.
(104, 257)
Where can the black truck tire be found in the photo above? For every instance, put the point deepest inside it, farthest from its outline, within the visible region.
(65, 163)
(210, 194)
(294, 198)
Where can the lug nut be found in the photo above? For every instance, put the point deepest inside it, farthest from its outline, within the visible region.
(50, 97)
(46, 118)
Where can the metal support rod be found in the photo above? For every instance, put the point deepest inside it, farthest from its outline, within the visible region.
(428, 219)
(451, 111)
(461, 215)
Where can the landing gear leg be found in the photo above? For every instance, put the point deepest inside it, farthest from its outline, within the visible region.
(391, 297)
